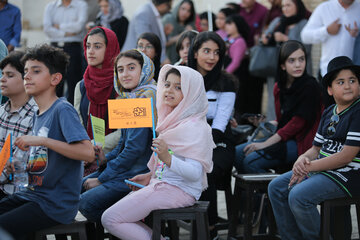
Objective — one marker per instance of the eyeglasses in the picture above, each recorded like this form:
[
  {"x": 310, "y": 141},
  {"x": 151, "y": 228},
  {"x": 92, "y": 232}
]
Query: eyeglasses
[
  {"x": 147, "y": 47},
  {"x": 333, "y": 121}
]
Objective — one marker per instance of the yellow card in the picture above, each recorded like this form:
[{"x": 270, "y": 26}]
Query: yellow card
[
  {"x": 130, "y": 113},
  {"x": 5, "y": 153},
  {"x": 98, "y": 127}
]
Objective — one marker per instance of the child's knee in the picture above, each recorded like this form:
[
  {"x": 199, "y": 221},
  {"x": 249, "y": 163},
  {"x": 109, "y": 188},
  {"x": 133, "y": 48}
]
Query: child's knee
[{"x": 107, "y": 219}]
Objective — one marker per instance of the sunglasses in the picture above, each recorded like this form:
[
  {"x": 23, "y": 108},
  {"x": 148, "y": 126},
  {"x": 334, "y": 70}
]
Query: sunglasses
[{"x": 333, "y": 121}]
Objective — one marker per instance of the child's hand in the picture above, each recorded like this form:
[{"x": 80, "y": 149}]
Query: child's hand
[
  {"x": 9, "y": 167},
  {"x": 253, "y": 147},
  {"x": 99, "y": 155},
  {"x": 161, "y": 148},
  {"x": 25, "y": 141},
  {"x": 142, "y": 179},
  {"x": 295, "y": 179},
  {"x": 91, "y": 183},
  {"x": 300, "y": 166}
]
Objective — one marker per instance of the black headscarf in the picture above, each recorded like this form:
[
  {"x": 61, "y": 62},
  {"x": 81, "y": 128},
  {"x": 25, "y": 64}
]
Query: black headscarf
[
  {"x": 302, "y": 99},
  {"x": 286, "y": 21}
]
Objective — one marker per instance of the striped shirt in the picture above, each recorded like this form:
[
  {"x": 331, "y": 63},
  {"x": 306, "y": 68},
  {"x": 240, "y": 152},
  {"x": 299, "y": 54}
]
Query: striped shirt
[
  {"x": 347, "y": 132},
  {"x": 18, "y": 122}
]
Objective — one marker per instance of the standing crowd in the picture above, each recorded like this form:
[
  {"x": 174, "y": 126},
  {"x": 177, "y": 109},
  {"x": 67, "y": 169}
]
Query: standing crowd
[{"x": 196, "y": 69}]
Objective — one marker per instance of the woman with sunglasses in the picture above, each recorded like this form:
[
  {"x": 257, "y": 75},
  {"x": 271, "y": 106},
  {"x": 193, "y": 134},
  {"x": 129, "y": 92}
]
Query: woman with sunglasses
[
  {"x": 298, "y": 109},
  {"x": 330, "y": 168}
]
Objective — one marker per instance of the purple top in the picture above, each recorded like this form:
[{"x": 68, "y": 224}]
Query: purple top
[
  {"x": 222, "y": 33},
  {"x": 255, "y": 18},
  {"x": 237, "y": 52}
]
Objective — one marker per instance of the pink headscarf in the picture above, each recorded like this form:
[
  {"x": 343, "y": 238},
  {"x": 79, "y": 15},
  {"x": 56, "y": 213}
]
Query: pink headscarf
[{"x": 185, "y": 128}]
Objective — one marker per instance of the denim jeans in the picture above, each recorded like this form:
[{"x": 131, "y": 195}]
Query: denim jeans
[
  {"x": 295, "y": 209},
  {"x": 257, "y": 163},
  {"x": 95, "y": 201}
]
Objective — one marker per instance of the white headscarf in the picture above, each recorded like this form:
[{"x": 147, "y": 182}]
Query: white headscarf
[{"x": 185, "y": 128}]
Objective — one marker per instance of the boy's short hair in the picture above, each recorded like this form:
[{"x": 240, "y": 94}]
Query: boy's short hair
[
  {"x": 55, "y": 59},
  {"x": 14, "y": 59},
  {"x": 335, "y": 66}
]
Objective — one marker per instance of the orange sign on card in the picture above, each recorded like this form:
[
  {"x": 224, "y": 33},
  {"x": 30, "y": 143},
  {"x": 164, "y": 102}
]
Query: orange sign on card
[
  {"x": 130, "y": 113},
  {"x": 5, "y": 153}
]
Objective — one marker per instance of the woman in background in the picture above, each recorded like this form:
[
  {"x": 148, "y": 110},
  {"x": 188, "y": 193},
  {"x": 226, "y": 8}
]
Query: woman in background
[
  {"x": 181, "y": 18},
  {"x": 206, "y": 56},
  {"x": 183, "y": 45},
  {"x": 220, "y": 21},
  {"x": 111, "y": 16},
  {"x": 150, "y": 45},
  {"x": 286, "y": 27}
]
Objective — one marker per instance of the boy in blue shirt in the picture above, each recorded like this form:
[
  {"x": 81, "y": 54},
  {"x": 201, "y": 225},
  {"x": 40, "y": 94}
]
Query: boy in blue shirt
[
  {"x": 330, "y": 168},
  {"x": 57, "y": 147}
]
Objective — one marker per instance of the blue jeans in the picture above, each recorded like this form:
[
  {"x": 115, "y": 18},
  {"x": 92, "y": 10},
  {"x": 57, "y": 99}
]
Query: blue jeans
[
  {"x": 295, "y": 209},
  {"x": 95, "y": 201},
  {"x": 257, "y": 163}
]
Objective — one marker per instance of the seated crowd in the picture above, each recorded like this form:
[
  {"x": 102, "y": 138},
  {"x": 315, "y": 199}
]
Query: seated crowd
[{"x": 191, "y": 151}]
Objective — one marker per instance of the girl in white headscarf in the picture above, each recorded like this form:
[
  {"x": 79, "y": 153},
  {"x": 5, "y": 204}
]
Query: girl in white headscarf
[{"x": 182, "y": 155}]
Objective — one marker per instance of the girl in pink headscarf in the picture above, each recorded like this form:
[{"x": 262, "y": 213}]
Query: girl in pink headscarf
[{"x": 182, "y": 155}]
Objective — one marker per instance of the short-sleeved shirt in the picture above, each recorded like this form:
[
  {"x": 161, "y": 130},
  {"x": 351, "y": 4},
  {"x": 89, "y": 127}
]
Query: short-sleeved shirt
[
  {"x": 347, "y": 133},
  {"x": 55, "y": 180}
]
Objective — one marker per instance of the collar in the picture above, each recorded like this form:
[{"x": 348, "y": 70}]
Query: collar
[
  {"x": 156, "y": 12},
  {"x": 22, "y": 110},
  {"x": 7, "y": 6},
  {"x": 252, "y": 9},
  {"x": 59, "y": 3},
  {"x": 337, "y": 3}
]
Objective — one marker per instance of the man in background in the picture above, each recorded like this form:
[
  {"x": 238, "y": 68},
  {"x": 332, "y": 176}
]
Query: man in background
[
  {"x": 10, "y": 25},
  {"x": 147, "y": 18},
  {"x": 64, "y": 24}
]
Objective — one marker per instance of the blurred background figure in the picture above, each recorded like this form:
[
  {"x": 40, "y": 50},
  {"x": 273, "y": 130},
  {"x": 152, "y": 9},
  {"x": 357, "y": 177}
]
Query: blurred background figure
[
  {"x": 220, "y": 21},
  {"x": 204, "y": 22},
  {"x": 147, "y": 18},
  {"x": 10, "y": 25},
  {"x": 64, "y": 25},
  {"x": 3, "y": 54},
  {"x": 150, "y": 45},
  {"x": 274, "y": 11},
  {"x": 181, "y": 18},
  {"x": 111, "y": 16},
  {"x": 286, "y": 27},
  {"x": 183, "y": 45},
  {"x": 251, "y": 88}
]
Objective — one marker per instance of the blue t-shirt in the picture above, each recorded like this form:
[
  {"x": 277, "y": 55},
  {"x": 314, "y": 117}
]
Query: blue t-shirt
[
  {"x": 55, "y": 180},
  {"x": 347, "y": 133}
]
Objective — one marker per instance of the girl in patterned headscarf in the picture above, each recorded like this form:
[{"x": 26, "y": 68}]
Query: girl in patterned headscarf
[
  {"x": 133, "y": 79},
  {"x": 181, "y": 160}
]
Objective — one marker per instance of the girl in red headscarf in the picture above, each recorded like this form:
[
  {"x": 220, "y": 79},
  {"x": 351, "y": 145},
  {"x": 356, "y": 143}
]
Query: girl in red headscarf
[{"x": 92, "y": 93}]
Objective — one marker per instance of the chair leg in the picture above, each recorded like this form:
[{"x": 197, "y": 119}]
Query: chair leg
[
  {"x": 173, "y": 230},
  {"x": 228, "y": 199},
  {"x": 235, "y": 210},
  {"x": 358, "y": 215},
  {"x": 156, "y": 235},
  {"x": 325, "y": 221}
]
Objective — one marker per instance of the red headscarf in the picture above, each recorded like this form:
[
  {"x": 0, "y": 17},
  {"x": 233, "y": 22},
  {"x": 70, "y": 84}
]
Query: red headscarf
[{"x": 99, "y": 83}]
